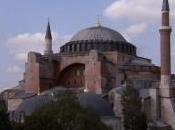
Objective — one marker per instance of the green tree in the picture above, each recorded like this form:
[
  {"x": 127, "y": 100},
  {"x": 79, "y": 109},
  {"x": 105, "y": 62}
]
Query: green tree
[
  {"x": 4, "y": 121},
  {"x": 65, "y": 114},
  {"x": 134, "y": 118}
]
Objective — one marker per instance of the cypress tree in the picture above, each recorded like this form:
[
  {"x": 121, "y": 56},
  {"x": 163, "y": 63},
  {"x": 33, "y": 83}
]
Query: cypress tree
[{"x": 133, "y": 117}]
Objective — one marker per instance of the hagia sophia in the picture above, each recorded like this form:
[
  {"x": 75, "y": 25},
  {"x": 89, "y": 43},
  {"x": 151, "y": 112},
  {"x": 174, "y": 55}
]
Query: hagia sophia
[{"x": 96, "y": 63}]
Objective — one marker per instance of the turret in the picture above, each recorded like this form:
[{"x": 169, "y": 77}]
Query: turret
[{"x": 48, "y": 41}]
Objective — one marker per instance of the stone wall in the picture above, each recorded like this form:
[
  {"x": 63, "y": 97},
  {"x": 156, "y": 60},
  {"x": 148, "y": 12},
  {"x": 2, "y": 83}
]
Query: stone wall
[{"x": 101, "y": 70}]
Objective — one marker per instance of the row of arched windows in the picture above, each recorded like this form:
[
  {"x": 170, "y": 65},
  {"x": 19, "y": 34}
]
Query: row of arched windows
[{"x": 102, "y": 46}]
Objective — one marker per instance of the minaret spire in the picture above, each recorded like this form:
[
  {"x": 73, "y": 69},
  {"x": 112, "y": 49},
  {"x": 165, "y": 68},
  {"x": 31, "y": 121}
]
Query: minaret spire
[
  {"x": 165, "y": 39},
  {"x": 48, "y": 31},
  {"x": 165, "y": 5},
  {"x": 48, "y": 40}
]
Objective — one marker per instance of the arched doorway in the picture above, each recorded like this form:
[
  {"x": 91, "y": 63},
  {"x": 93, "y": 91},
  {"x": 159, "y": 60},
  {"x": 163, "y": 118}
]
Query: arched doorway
[{"x": 72, "y": 76}]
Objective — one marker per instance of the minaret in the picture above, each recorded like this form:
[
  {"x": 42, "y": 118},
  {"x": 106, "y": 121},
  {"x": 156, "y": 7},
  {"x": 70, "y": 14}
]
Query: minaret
[
  {"x": 165, "y": 31},
  {"x": 164, "y": 98},
  {"x": 48, "y": 41}
]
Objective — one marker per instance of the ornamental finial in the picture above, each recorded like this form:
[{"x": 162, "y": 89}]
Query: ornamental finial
[{"x": 98, "y": 24}]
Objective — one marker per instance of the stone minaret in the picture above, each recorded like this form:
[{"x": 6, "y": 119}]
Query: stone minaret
[
  {"x": 165, "y": 99},
  {"x": 48, "y": 41},
  {"x": 165, "y": 31}
]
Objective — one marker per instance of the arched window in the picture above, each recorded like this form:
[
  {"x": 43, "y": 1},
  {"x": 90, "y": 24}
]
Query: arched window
[
  {"x": 70, "y": 48},
  {"x": 21, "y": 117},
  {"x": 89, "y": 46},
  {"x": 75, "y": 47},
  {"x": 85, "y": 46},
  {"x": 80, "y": 47}
]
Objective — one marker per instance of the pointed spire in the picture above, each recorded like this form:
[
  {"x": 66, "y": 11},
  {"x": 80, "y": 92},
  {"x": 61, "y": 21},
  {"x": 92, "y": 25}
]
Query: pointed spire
[
  {"x": 48, "y": 41},
  {"x": 165, "y": 6},
  {"x": 48, "y": 32}
]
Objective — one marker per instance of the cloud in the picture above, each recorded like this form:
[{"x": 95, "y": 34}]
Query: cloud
[
  {"x": 14, "y": 69},
  {"x": 143, "y": 18},
  {"x": 21, "y": 44},
  {"x": 21, "y": 56},
  {"x": 18, "y": 46},
  {"x": 134, "y": 30},
  {"x": 136, "y": 10}
]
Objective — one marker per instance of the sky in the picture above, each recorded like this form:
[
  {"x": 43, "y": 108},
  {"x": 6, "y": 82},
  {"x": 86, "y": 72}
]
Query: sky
[{"x": 23, "y": 24}]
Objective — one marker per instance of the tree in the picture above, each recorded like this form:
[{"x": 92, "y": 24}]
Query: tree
[
  {"x": 4, "y": 121},
  {"x": 134, "y": 118},
  {"x": 64, "y": 114}
]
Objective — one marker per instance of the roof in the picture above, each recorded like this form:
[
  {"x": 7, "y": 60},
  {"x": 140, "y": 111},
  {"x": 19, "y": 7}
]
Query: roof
[
  {"x": 87, "y": 100},
  {"x": 16, "y": 93},
  {"x": 97, "y": 103},
  {"x": 31, "y": 104},
  {"x": 48, "y": 32},
  {"x": 139, "y": 61},
  {"x": 98, "y": 33},
  {"x": 141, "y": 65},
  {"x": 165, "y": 5}
]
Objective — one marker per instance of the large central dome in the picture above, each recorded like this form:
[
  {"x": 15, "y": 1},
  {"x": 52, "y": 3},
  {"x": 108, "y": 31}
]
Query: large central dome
[
  {"x": 98, "y": 33},
  {"x": 98, "y": 38}
]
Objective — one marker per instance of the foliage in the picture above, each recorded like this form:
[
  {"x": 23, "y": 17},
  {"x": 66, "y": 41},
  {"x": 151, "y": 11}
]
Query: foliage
[
  {"x": 4, "y": 121},
  {"x": 134, "y": 118},
  {"x": 65, "y": 114}
]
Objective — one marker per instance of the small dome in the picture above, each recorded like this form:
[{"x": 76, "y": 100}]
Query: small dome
[
  {"x": 97, "y": 103},
  {"x": 29, "y": 105},
  {"x": 98, "y": 33}
]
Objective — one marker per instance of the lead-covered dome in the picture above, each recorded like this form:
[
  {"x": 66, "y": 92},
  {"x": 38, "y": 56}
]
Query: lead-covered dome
[
  {"x": 98, "y": 38},
  {"x": 98, "y": 33},
  {"x": 97, "y": 103}
]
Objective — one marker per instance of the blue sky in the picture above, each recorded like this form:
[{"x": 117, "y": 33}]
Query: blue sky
[
  {"x": 23, "y": 23},
  {"x": 31, "y": 15}
]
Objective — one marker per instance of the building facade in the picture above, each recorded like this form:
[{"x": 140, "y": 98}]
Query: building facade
[
  {"x": 94, "y": 59},
  {"x": 97, "y": 62}
]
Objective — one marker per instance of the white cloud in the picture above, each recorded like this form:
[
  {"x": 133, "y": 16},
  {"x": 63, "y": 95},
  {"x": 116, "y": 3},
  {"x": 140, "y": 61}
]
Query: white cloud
[
  {"x": 14, "y": 69},
  {"x": 21, "y": 44},
  {"x": 144, "y": 17},
  {"x": 136, "y": 10},
  {"x": 134, "y": 30},
  {"x": 21, "y": 56}
]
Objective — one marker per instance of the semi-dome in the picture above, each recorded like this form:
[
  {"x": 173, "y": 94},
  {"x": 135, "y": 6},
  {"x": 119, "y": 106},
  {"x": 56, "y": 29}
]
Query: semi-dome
[
  {"x": 97, "y": 103},
  {"x": 98, "y": 33}
]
